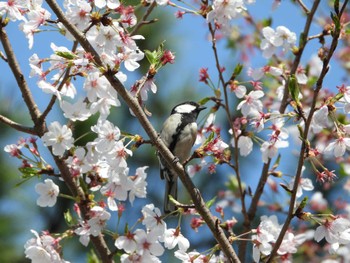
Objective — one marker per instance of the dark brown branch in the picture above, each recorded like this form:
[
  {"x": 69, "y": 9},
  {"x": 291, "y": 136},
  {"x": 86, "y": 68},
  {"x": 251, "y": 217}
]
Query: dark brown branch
[
  {"x": 17, "y": 126},
  {"x": 133, "y": 104},
  {"x": 21, "y": 82}
]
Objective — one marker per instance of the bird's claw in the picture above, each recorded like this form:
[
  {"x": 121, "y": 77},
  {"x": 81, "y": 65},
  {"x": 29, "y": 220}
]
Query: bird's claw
[{"x": 176, "y": 159}]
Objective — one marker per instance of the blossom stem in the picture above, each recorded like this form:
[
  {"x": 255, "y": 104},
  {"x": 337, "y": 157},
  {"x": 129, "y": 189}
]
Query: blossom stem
[{"x": 67, "y": 197}]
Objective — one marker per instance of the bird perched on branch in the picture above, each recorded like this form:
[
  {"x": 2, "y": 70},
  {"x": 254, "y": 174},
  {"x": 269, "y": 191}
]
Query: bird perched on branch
[{"x": 178, "y": 134}]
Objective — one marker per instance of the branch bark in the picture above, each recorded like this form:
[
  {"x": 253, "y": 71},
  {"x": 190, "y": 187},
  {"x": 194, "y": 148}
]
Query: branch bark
[
  {"x": 17, "y": 126},
  {"x": 158, "y": 143},
  {"x": 21, "y": 81}
]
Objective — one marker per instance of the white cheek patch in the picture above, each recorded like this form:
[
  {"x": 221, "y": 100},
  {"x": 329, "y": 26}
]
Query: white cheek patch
[{"x": 185, "y": 108}]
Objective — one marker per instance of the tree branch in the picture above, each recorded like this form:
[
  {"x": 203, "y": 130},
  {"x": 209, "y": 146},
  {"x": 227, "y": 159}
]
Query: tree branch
[
  {"x": 17, "y": 126},
  {"x": 22, "y": 83},
  {"x": 153, "y": 135},
  {"x": 65, "y": 78},
  {"x": 234, "y": 135},
  {"x": 144, "y": 18},
  {"x": 319, "y": 85}
]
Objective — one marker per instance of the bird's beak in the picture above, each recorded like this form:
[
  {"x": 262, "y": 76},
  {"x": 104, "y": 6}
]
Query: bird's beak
[{"x": 200, "y": 108}]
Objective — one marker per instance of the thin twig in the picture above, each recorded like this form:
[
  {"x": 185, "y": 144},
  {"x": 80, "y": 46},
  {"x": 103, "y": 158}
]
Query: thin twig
[
  {"x": 17, "y": 126},
  {"x": 235, "y": 137},
  {"x": 59, "y": 88},
  {"x": 133, "y": 104},
  {"x": 143, "y": 21},
  {"x": 303, "y": 6}
]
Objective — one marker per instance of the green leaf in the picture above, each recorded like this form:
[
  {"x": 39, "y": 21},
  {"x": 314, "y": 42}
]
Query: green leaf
[
  {"x": 302, "y": 39},
  {"x": 204, "y": 101},
  {"x": 277, "y": 162},
  {"x": 336, "y": 21},
  {"x": 92, "y": 257},
  {"x": 294, "y": 88},
  {"x": 151, "y": 56},
  {"x": 209, "y": 139},
  {"x": 210, "y": 202},
  {"x": 65, "y": 54},
  {"x": 28, "y": 172},
  {"x": 238, "y": 69},
  {"x": 303, "y": 203},
  {"x": 68, "y": 218},
  {"x": 336, "y": 6}
]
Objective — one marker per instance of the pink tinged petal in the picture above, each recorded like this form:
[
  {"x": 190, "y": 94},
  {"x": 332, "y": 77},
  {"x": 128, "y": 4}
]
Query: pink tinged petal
[
  {"x": 306, "y": 184},
  {"x": 256, "y": 94},
  {"x": 245, "y": 145},
  {"x": 268, "y": 32},
  {"x": 240, "y": 91},
  {"x": 339, "y": 148},
  {"x": 320, "y": 233},
  {"x": 156, "y": 249}
]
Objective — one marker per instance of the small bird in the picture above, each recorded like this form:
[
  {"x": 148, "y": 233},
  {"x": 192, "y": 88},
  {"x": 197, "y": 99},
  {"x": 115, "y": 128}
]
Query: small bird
[{"x": 179, "y": 134}]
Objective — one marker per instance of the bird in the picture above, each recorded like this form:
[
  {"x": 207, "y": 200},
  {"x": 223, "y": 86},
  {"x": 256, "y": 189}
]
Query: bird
[{"x": 178, "y": 133}]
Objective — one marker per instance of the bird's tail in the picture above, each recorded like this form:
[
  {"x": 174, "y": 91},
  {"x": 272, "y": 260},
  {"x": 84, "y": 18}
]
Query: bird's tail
[{"x": 170, "y": 189}]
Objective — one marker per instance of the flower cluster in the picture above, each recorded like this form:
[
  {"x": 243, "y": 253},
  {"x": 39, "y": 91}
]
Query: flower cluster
[{"x": 267, "y": 234}]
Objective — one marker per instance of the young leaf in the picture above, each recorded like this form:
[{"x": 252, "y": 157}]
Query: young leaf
[
  {"x": 210, "y": 202},
  {"x": 294, "y": 89}
]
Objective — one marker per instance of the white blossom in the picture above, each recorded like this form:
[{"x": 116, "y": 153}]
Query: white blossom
[
  {"x": 48, "y": 192},
  {"x": 59, "y": 137}
]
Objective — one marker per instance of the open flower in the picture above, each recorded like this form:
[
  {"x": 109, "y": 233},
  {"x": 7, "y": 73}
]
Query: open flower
[
  {"x": 59, "y": 137},
  {"x": 48, "y": 193}
]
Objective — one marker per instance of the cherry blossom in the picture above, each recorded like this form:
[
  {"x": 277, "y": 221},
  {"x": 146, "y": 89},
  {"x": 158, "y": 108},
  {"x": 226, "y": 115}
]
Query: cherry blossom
[
  {"x": 108, "y": 135},
  {"x": 117, "y": 188},
  {"x": 147, "y": 243},
  {"x": 338, "y": 147},
  {"x": 36, "y": 18},
  {"x": 152, "y": 219},
  {"x": 43, "y": 248},
  {"x": 173, "y": 237},
  {"x": 223, "y": 11},
  {"x": 251, "y": 103},
  {"x": 13, "y": 149},
  {"x": 59, "y": 137},
  {"x": 83, "y": 231},
  {"x": 281, "y": 37},
  {"x": 98, "y": 220},
  {"x": 126, "y": 242},
  {"x": 112, "y": 4},
  {"x": 77, "y": 111},
  {"x": 334, "y": 231},
  {"x": 78, "y": 12},
  {"x": 318, "y": 202},
  {"x": 270, "y": 149},
  {"x": 245, "y": 145},
  {"x": 12, "y": 9},
  {"x": 138, "y": 184},
  {"x": 48, "y": 193}
]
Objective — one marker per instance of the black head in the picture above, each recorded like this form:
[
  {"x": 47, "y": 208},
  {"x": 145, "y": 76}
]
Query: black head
[{"x": 188, "y": 107}]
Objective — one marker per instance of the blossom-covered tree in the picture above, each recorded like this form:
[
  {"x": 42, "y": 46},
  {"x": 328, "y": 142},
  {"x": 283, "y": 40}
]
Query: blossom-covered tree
[{"x": 272, "y": 109}]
